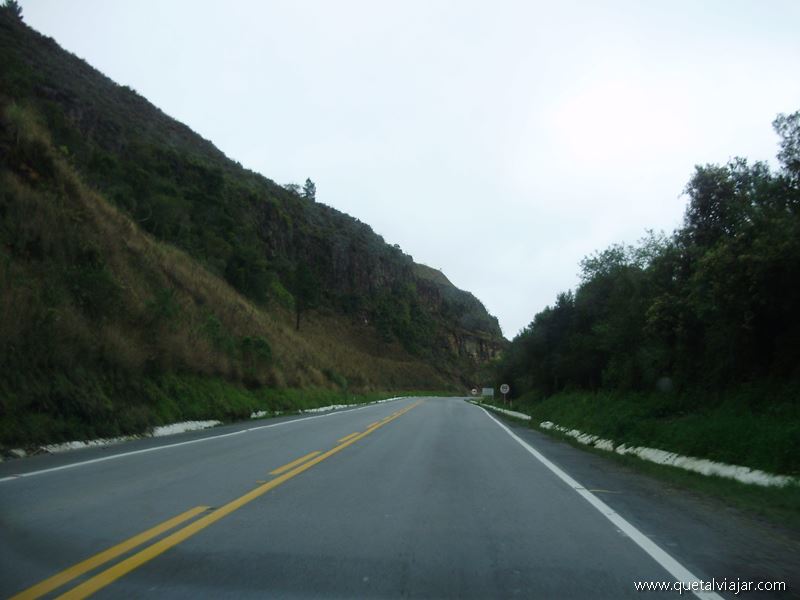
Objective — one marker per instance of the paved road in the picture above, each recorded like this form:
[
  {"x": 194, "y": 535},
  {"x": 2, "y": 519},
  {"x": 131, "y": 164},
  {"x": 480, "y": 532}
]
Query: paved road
[{"x": 423, "y": 498}]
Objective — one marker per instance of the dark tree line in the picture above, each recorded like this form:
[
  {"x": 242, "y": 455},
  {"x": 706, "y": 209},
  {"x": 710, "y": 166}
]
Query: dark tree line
[{"x": 714, "y": 305}]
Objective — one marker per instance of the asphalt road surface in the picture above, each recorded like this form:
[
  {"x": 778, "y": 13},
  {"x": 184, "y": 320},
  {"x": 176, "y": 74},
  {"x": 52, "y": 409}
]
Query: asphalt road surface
[{"x": 420, "y": 498}]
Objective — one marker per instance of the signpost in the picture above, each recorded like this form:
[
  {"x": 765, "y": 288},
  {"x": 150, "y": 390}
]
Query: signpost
[{"x": 504, "y": 389}]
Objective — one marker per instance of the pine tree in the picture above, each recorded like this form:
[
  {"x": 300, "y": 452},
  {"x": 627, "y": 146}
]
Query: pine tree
[{"x": 310, "y": 190}]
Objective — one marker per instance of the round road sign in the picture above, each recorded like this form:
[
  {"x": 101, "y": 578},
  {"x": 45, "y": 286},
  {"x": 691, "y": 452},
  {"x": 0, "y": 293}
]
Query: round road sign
[{"x": 504, "y": 389}]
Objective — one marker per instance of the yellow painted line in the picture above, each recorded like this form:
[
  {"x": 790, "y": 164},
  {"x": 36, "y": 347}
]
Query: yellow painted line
[
  {"x": 347, "y": 437},
  {"x": 371, "y": 425},
  {"x": 59, "y": 579},
  {"x": 294, "y": 463},
  {"x": 110, "y": 575}
]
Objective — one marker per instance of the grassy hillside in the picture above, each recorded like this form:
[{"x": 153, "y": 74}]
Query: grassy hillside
[
  {"x": 146, "y": 278},
  {"x": 268, "y": 242},
  {"x": 100, "y": 323}
]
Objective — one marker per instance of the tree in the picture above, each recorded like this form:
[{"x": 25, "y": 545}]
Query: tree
[
  {"x": 305, "y": 288},
  {"x": 788, "y": 128},
  {"x": 310, "y": 190},
  {"x": 13, "y": 7},
  {"x": 715, "y": 208},
  {"x": 248, "y": 271},
  {"x": 293, "y": 188}
]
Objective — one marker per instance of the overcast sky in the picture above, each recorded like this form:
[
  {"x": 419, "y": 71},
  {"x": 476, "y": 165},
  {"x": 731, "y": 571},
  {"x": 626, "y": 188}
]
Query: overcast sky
[{"x": 498, "y": 141}]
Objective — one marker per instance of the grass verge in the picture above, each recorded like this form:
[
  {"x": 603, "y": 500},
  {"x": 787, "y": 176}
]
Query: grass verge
[
  {"x": 779, "y": 505},
  {"x": 89, "y": 405},
  {"x": 757, "y": 425}
]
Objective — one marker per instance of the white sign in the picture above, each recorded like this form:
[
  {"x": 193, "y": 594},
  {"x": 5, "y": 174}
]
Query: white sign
[
  {"x": 487, "y": 392},
  {"x": 504, "y": 389},
  {"x": 474, "y": 392}
]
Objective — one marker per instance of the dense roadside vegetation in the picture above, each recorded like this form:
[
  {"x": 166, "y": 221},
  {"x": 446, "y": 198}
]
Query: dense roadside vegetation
[
  {"x": 146, "y": 278},
  {"x": 689, "y": 341}
]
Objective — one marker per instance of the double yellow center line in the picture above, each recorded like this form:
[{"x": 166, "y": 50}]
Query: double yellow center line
[
  {"x": 91, "y": 563},
  {"x": 104, "y": 578}
]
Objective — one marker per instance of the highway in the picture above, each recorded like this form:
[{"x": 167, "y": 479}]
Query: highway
[{"x": 415, "y": 498}]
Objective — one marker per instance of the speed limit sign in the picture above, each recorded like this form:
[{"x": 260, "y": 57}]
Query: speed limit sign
[{"x": 504, "y": 389}]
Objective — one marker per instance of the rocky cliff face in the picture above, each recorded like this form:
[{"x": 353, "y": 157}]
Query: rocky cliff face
[
  {"x": 476, "y": 347},
  {"x": 471, "y": 332},
  {"x": 361, "y": 266}
]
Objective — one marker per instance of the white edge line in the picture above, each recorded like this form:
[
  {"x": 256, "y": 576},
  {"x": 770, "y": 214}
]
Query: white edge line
[
  {"x": 167, "y": 446},
  {"x": 673, "y": 567}
]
